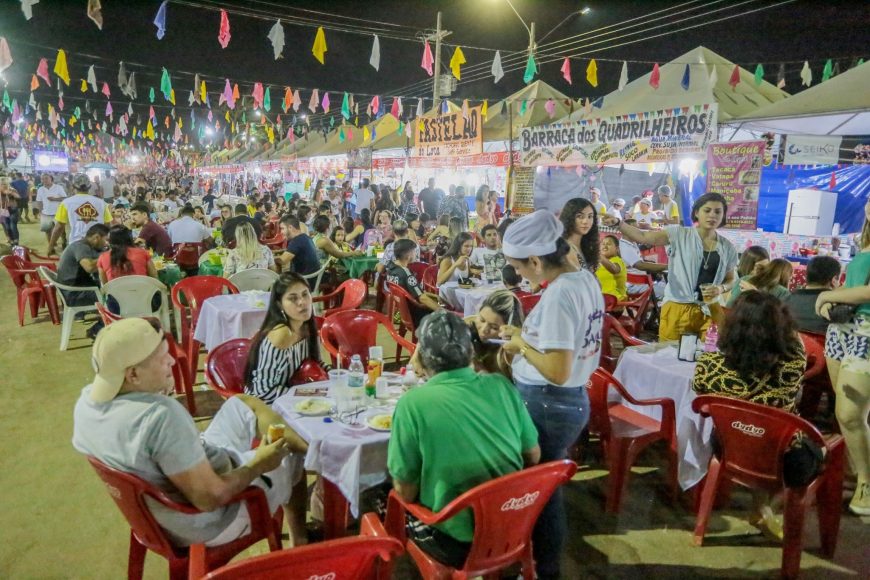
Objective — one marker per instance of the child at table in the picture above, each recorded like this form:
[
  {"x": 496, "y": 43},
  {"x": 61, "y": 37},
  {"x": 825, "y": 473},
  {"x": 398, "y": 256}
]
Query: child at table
[{"x": 611, "y": 271}]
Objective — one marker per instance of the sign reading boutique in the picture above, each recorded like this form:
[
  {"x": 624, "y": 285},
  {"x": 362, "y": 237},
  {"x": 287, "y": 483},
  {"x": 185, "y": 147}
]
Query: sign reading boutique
[
  {"x": 449, "y": 135},
  {"x": 646, "y": 137}
]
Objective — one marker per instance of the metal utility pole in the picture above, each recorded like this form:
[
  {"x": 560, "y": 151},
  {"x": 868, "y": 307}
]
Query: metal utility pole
[{"x": 439, "y": 36}]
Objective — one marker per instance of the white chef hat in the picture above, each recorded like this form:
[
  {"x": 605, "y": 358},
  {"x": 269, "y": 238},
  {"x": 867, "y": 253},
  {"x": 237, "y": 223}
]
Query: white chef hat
[{"x": 532, "y": 235}]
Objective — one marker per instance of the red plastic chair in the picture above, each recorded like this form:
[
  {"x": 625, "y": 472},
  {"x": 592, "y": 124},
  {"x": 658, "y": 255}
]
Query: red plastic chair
[
  {"x": 611, "y": 325},
  {"x": 105, "y": 315},
  {"x": 624, "y": 433},
  {"x": 187, "y": 297},
  {"x": 351, "y": 292},
  {"x": 418, "y": 269},
  {"x": 403, "y": 303},
  {"x": 351, "y": 332},
  {"x": 129, "y": 493},
  {"x": 610, "y": 303},
  {"x": 430, "y": 279},
  {"x": 816, "y": 380},
  {"x": 225, "y": 367},
  {"x": 636, "y": 306},
  {"x": 29, "y": 255},
  {"x": 29, "y": 288},
  {"x": 753, "y": 440},
  {"x": 505, "y": 511},
  {"x": 187, "y": 255},
  {"x": 278, "y": 242},
  {"x": 528, "y": 302},
  {"x": 335, "y": 559}
]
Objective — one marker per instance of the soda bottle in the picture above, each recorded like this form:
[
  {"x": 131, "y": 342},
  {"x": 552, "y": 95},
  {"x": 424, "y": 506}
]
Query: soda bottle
[
  {"x": 376, "y": 363},
  {"x": 711, "y": 341},
  {"x": 356, "y": 381}
]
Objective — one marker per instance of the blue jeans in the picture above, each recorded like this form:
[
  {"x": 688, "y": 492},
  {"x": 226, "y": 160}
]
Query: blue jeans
[
  {"x": 11, "y": 225},
  {"x": 560, "y": 414}
]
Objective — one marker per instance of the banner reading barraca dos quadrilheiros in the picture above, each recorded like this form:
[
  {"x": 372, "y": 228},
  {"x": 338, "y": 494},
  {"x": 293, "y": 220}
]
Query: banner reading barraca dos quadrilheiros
[{"x": 647, "y": 137}]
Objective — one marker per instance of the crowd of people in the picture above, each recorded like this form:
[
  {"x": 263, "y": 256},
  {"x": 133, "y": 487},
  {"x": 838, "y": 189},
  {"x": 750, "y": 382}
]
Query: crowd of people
[{"x": 504, "y": 389}]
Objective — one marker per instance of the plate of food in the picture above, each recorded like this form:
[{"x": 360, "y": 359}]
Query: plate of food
[
  {"x": 380, "y": 422},
  {"x": 465, "y": 283},
  {"x": 313, "y": 407}
]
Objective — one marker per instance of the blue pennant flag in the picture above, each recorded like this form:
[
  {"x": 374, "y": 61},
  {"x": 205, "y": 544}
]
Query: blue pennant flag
[
  {"x": 685, "y": 82},
  {"x": 160, "y": 20}
]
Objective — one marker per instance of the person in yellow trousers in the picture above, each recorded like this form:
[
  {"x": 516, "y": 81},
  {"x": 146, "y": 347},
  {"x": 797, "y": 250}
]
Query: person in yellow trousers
[{"x": 701, "y": 265}]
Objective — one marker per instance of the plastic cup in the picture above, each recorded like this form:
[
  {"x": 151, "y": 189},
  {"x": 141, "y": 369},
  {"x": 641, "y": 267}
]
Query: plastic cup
[
  {"x": 337, "y": 383},
  {"x": 704, "y": 288}
]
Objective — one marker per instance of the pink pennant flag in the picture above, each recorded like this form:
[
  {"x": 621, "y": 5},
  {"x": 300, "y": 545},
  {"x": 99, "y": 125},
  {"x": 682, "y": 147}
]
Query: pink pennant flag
[
  {"x": 314, "y": 101},
  {"x": 258, "y": 95},
  {"x": 105, "y": 90},
  {"x": 325, "y": 103},
  {"x": 42, "y": 71},
  {"x": 376, "y": 105},
  {"x": 655, "y": 77},
  {"x": 151, "y": 114},
  {"x": 394, "y": 110},
  {"x": 566, "y": 72},
  {"x": 735, "y": 77},
  {"x": 224, "y": 33},
  {"x": 109, "y": 109},
  {"x": 210, "y": 118},
  {"x": 428, "y": 61},
  {"x": 550, "y": 105},
  {"x": 60, "y": 103}
]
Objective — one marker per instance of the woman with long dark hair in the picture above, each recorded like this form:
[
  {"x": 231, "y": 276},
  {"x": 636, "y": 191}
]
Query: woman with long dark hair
[
  {"x": 454, "y": 264},
  {"x": 123, "y": 257},
  {"x": 287, "y": 337},
  {"x": 580, "y": 221},
  {"x": 752, "y": 257}
]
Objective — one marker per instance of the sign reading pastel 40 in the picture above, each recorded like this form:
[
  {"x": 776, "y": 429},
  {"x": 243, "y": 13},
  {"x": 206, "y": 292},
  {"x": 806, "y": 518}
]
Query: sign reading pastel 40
[
  {"x": 646, "y": 137},
  {"x": 449, "y": 135}
]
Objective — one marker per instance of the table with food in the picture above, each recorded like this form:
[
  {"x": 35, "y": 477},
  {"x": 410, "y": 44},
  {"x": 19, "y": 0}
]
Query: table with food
[
  {"x": 230, "y": 316},
  {"x": 468, "y": 296}
]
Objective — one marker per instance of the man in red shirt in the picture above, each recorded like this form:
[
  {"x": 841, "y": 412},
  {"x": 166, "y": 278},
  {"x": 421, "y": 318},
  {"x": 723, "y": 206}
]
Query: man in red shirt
[{"x": 153, "y": 236}]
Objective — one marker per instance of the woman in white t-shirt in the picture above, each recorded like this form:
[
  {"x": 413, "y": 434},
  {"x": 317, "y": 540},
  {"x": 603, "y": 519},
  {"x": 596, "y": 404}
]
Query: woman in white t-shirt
[
  {"x": 249, "y": 253},
  {"x": 553, "y": 356}
]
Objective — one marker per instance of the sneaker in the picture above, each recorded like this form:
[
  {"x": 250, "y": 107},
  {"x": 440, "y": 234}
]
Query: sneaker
[{"x": 860, "y": 503}]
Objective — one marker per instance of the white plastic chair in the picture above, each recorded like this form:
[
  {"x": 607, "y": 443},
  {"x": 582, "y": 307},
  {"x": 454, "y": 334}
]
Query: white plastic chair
[
  {"x": 254, "y": 279},
  {"x": 69, "y": 312},
  {"x": 316, "y": 276},
  {"x": 134, "y": 295}
]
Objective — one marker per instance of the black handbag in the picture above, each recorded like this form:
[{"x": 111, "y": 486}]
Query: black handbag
[
  {"x": 841, "y": 313},
  {"x": 802, "y": 462}
]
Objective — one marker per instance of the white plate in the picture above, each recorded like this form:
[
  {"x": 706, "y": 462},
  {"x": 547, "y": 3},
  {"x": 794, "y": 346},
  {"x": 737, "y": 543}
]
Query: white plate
[
  {"x": 313, "y": 407},
  {"x": 370, "y": 422}
]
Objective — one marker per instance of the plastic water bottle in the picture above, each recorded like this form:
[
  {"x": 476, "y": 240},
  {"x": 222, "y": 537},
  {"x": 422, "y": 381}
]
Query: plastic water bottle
[
  {"x": 356, "y": 382},
  {"x": 711, "y": 341}
]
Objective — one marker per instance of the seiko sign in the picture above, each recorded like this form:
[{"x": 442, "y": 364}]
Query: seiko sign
[{"x": 812, "y": 150}]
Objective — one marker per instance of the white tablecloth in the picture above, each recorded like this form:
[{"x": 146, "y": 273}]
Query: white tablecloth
[
  {"x": 651, "y": 375},
  {"x": 468, "y": 300},
  {"x": 230, "y": 316},
  {"x": 353, "y": 458}
]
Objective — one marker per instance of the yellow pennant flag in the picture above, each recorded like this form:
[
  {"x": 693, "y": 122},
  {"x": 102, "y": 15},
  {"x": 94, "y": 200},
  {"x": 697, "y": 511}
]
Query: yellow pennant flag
[
  {"x": 319, "y": 49},
  {"x": 172, "y": 96},
  {"x": 149, "y": 131},
  {"x": 366, "y": 134},
  {"x": 84, "y": 86},
  {"x": 592, "y": 73},
  {"x": 72, "y": 120},
  {"x": 456, "y": 61},
  {"x": 484, "y": 110},
  {"x": 135, "y": 130},
  {"x": 60, "y": 68},
  {"x": 271, "y": 134},
  {"x": 180, "y": 123},
  {"x": 202, "y": 92},
  {"x": 227, "y": 116},
  {"x": 421, "y": 126}
]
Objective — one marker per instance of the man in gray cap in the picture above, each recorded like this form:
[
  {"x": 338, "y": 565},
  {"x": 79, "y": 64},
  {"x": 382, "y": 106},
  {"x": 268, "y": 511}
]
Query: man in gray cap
[
  {"x": 670, "y": 212},
  {"x": 459, "y": 413},
  {"x": 125, "y": 419}
]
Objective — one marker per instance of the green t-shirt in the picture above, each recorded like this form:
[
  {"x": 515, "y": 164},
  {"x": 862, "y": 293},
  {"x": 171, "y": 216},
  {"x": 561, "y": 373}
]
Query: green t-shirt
[
  {"x": 457, "y": 431},
  {"x": 856, "y": 275}
]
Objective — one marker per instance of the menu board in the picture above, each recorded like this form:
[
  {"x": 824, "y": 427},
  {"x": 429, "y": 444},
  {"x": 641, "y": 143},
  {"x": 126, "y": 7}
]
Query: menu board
[
  {"x": 522, "y": 190},
  {"x": 734, "y": 170}
]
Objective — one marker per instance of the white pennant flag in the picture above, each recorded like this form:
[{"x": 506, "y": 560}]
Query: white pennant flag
[
  {"x": 191, "y": 99},
  {"x": 297, "y": 100},
  {"x": 315, "y": 100},
  {"x": 38, "y": 115},
  {"x": 465, "y": 109},
  {"x": 196, "y": 86},
  {"x": 375, "y": 59},
  {"x": 496, "y": 70},
  {"x": 806, "y": 75},
  {"x": 419, "y": 108},
  {"x": 623, "y": 76},
  {"x": 92, "y": 78},
  {"x": 32, "y": 102},
  {"x": 401, "y": 109},
  {"x": 276, "y": 36},
  {"x": 130, "y": 109},
  {"x": 714, "y": 78},
  {"x": 27, "y": 8}
]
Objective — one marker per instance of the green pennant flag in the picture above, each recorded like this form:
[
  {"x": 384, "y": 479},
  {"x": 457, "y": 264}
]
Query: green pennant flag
[
  {"x": 345, "y": 107},
  {"x": 151, "y": 95},
  {"x": 341, "y": 135},
  {"x": 78, "y": 113},
  {"x": 531, "y": 70},
  {"x": 759, "y": 75},
  {"x": 7, "y": 102},
  {"x": 860, "y": 62},
  {"x": 828, "y": 71},
  {"x": 332, "y": 122},
  {"x": 267, "y": 101},
  {"x": 523, "y": 106},
  {"x": 244, "y": 117},
  {"x": 401, "y": 128},
  {"x": 166, "y": 85}
]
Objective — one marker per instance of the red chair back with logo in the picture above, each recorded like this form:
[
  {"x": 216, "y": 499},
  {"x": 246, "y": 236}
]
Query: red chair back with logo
[
  {"x": 351, "y": 332},
  {"x": 505, "y": 511}
]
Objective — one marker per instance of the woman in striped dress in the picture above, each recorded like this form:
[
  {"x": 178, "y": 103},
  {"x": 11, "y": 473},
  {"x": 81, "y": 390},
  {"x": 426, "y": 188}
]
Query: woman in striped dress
[{"x": 287, "y": 338}]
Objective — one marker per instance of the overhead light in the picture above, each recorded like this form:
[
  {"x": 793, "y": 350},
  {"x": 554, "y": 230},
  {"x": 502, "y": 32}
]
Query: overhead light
[
  {"x": 258, "y": 113},
  {"x": 253, "y": 139},
  {"x": 303, "y": 116},
  {"x": 209, "y": 131},
  {"x": 586, "y": 10}
]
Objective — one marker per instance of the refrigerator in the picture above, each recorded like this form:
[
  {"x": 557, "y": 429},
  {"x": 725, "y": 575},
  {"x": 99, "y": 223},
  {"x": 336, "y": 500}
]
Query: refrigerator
[{"x": 810, "y": 212}]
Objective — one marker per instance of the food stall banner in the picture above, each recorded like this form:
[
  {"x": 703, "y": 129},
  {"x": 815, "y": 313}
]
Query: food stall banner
[
  {"x": 498, "y": 159},
  {"x": 645, "y": 137},
  {"x": 449, "y": 135},
  {"x": 734, "y": 170}
]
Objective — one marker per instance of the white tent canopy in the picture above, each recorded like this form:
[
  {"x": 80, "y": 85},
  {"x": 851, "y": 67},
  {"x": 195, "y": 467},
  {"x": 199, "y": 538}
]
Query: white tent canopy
[
  {"x": 23, "y": 162},
  {"x": 638, "y": 96},
  {"x": 838, "y": 106}
]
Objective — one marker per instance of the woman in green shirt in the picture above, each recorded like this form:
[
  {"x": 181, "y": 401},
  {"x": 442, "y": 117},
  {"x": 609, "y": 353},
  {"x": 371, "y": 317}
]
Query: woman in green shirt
[
  {"x": 772, "y": 278},
  {"x": 847, "y": 350}
]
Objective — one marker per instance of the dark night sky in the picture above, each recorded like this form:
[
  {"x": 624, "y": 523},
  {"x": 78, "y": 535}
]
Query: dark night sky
[{"x": 805, "y": 29}]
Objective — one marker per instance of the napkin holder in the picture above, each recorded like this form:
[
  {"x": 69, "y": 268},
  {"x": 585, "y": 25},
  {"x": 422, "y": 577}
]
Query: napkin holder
[{"x": 687, "y": 347}]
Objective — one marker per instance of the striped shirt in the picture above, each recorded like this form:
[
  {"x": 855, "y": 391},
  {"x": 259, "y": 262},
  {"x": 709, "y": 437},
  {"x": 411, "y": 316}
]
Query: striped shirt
[{"x": 275, "y": 366}]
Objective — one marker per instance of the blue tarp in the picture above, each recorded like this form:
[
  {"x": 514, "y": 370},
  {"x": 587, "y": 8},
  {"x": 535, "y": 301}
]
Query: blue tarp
[{"x": 853, "y": 189}]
